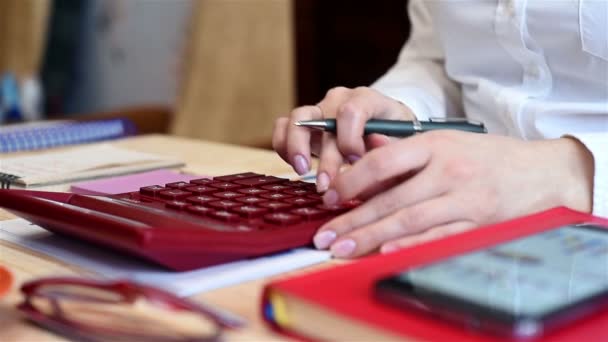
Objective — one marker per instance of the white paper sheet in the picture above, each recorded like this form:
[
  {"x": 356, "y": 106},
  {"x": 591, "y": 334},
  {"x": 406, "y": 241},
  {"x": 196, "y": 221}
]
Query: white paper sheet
[{"x": 110, "y": 265}]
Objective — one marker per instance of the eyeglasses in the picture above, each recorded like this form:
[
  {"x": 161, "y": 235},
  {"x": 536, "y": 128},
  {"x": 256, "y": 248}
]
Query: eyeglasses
[{"x": 119, "y": 311}]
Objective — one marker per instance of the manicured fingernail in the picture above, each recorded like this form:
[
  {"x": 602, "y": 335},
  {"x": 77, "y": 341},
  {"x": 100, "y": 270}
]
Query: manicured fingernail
[
  {"x": 330, "y": 197},
  {"x": 300, "y": 164},
  {"x": 323, "y": 239},
  {"x": 344, "y": 248},
  {"x": 353, "y": 158},
  {"x": 322, "y": 181},
  {"x": 389, "y": 249}
]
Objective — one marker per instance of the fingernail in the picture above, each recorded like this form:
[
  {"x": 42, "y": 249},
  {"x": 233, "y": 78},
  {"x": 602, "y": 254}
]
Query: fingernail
[
  {"x": 389, "y": 249},
  {"x": 323, "y": 239},
  {"x": 300, "y": 164},
  {"x": 322, "y": 181},
  {"x": 344, "y": 248},
  {"x": 353, "y": 158},
  {"x": 330, "y": 197}
]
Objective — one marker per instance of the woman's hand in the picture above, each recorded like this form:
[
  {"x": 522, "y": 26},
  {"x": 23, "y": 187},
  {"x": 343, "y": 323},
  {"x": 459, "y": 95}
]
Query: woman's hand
[
  {"x": 351, "y": 108},
  {"x": 443, "y": 182}
]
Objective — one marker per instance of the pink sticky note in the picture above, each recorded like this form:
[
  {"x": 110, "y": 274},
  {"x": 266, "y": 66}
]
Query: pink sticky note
[{"x": 129, "y": 183}]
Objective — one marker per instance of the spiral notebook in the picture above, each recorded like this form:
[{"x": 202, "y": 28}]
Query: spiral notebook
[
  {"x": 79, "y": 163},
  {"x": 42, "y": 135}
]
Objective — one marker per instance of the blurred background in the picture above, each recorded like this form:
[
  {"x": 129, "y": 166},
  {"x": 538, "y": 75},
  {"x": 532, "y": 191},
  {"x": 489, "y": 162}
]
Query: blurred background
[{"x": 196, "y": 68}]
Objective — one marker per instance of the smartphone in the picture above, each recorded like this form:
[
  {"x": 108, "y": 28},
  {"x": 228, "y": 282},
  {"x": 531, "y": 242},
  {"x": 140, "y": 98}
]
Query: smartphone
[{"x": 522, "y": 288}]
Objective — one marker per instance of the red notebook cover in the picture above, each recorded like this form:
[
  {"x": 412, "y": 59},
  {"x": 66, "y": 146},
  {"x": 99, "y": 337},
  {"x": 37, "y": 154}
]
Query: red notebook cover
[{"x": 347, "y": 290}]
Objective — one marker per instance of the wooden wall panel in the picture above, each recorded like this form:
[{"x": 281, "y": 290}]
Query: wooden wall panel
[
  {"x": 23, "y": 25},
  {"x": 238, "y": 71}
]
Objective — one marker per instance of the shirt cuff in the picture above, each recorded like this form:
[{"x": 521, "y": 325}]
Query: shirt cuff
[
  {"x": 597, "y": 144},
  {"x": 420, "y": 102}
]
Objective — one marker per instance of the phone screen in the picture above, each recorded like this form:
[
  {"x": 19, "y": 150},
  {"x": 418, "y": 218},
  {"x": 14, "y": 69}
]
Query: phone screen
[{"x": 533, "y": 276}]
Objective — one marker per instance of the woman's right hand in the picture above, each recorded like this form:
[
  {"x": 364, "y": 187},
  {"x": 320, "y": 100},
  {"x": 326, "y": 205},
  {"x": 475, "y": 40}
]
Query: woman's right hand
[{"x": 351, "y": 108}]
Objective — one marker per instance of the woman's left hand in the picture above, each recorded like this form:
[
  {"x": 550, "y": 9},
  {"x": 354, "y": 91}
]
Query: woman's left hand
[{"x": 443, "y": 182}]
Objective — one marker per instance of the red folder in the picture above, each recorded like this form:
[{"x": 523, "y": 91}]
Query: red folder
[{"x": 347, "y": 290}]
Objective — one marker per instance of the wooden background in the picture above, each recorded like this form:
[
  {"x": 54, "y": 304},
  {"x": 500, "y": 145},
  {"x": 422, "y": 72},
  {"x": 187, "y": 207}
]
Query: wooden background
[
  {"x": 22, "y": 36},
  {"x": 246, "y": 62}
]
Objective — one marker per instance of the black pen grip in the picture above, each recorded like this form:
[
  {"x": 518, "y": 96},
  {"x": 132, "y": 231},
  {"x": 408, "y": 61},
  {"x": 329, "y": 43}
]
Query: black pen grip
[{"x": 391, "y": 128}]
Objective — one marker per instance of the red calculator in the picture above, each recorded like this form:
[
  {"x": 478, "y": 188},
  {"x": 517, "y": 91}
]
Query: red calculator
[{"x": 186, "y": 225}]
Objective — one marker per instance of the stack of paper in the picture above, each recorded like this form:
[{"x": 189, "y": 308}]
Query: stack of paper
[{"x": 108, "y": 264}]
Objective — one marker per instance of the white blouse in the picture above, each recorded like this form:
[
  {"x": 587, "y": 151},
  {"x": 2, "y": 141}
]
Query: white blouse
[{"x": 532, "y": 69}]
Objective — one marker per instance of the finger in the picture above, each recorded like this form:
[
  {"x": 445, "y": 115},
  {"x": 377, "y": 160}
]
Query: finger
[
  {"x": 330, "y": 161},
  {"x": 378, "y": 166},
  {"x": 404, "y": 222},
  {"x": 299, "y": 138},
  {"x": 352, "y": 115},
  {"x": 316, "y": 138},
  {"x": 332, "y": 101},
  {"x": 376, "y": 189},
  {"x": 434, "y": 233},
  {"x": 421, "y": 187},
  {"x": 376, "y": 140},
  {"x": 327, "y": 107},
  {"x": 279, "y": 137}
]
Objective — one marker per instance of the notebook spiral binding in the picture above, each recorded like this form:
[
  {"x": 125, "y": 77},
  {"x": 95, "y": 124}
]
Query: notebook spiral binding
[{"x": 6, "y": 180}]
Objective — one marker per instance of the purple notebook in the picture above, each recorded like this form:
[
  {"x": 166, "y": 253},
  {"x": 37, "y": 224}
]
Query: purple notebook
[{"x": 130, "y": 183}]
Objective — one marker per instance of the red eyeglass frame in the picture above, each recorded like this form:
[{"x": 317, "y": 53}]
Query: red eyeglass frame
[
  {"x": 6, "y": 281},
  {"x": 128, "y": 292}
]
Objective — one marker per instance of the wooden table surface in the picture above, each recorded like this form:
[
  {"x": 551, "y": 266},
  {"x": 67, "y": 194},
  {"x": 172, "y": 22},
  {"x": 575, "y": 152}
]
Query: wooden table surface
[{"x": 201, "y": 157}]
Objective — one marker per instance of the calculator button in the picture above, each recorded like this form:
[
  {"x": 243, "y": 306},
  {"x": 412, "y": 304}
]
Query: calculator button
[
  {"x": 302, "y": 201},
  {"x": 282, "y": 218},
  {"x": 255, "y": 223},
  {"x": 275, "y": 187},
  {"x": 225, "y": 204},
  {"x": 178, "y": 185},
  {"x": 151, "y": 190},
  {"x": 228, "y": 195},
  {"x": 251, "y": 200},
  {"x": 249, "y": 211},
  {"x": 201, "y": 189},
  {"x": 276, "y": 196},
  {"x": 275, "y": 206},
  {"x": 225, "y": 186},
  {"x": 200, "y": 200},
  {"x": 238, "y": 176},
  {"x": 199, "y": 210},
  {"x": 174, "y": 194},
  {"x": 297, "y": 191},
  {"x": 202, "y": 181},
  {"x": 177, "y": 205},
  {"x": 310, "y": 213},
  {"x": 224, "y": 215},
  {"x": 252, "y": 191},
  {"x": 315, "y": 196},
  {"x": 260, "y": 181}
]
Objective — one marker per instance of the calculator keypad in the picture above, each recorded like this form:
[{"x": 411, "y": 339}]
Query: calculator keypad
[
  {"x": 174, "y": 194},
  {"x": 178, "y": 185},
  {"x": 246, "y": 200},
  {"x": 200, "y": 189}
]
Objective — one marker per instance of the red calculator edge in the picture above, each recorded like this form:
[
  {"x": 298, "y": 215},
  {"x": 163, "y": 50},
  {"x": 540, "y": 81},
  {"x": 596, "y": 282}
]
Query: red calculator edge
[{"x": 139, "y": 225}]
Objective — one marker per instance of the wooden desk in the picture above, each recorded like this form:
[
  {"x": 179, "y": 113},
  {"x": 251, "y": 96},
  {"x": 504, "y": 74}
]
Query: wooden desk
[{"x": 204, "y": 158}]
